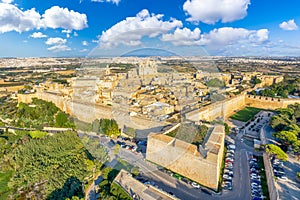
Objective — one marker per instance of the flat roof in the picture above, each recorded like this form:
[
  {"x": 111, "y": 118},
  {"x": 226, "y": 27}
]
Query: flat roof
[{"x": 135, "y": 187}]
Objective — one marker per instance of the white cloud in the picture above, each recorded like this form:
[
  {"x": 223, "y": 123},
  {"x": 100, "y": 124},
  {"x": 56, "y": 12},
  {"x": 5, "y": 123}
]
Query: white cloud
[
  {"x": 83, "y": 50},
  {"x": 259, "y": 36},
  {"x": 7, "y": 1},
  {"x": 216, "y": 37},
  {"x": 59, "y": 48},
  {"x": 75, "y": 34},
  {"x": 57, "y": 44},
  {"x": 184, "y": 37},
  {"x": 112, "y": 1},
  {"x": 57, "y": 17},
  {"x": 289, "y": 25},
  {"x": 211, "y": 11},
  {"x": 130, "y": 31},
  {"x": 56, "y": 41},
  {"x": 14, "y": 19},
  {"x": 38, "y": 35},
  {"x": 225, "y": 36},
  {"x": 85, "y": 43},
  {"x": 66, "y": 31}
]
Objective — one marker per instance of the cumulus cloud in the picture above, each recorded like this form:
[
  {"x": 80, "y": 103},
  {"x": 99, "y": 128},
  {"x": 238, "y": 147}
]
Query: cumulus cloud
[
  {"x": 57, "y": 17},
  {"x": 57, "y": 44},
  {"x": 184, "y": 37},
  {"x": 289, "y": 25},
  {"x": 14, "y": 19},
  {"x": 7, "y": 1},
  {"x": 130, "y": 31},
  {"x": 112, "y": 1},
  {"x": 56, "y": 41},
  {"x": 85, "y": 43},
  {"x": 38, "y": 35},
  {"x": 211, "y": 11},
  {"x": 216, "y": 37},
  {"x": 59, "y": 48}
]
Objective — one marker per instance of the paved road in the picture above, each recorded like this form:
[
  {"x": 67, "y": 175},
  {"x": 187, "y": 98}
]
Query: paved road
[{"x": 241, "y": 182}]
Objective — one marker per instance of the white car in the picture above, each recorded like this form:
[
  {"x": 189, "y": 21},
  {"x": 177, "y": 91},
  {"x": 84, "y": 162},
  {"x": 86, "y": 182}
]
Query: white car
[
  {"x": 231, "y": 146},
  {"x": 230, "y": 151},
  {"x": 195, "y": 185},
  {"x": 227, "y": 177},
  {"x": 134, "y": 149}
]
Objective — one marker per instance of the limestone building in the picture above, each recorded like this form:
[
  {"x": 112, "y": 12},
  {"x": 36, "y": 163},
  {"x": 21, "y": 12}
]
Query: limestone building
[{"x": 201, "y": 164}]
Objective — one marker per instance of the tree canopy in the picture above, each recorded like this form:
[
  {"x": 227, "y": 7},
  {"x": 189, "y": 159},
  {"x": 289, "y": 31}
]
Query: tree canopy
[
  {"x": 276, "y": 151},
  {"x": 285, "y": 123},
  {"x": 282, "y": 89},
  {"x": 37, "y": 114},
  {"x": 42, "y": 166}
]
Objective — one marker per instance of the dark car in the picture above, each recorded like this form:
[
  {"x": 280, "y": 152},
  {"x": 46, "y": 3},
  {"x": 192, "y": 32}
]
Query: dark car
[
  {"x": 186, "y": 180},
  {"x": 111, "y": 143}
]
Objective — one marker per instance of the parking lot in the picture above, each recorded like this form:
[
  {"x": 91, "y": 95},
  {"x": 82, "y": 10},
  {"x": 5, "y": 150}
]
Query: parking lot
[
  {"x": 255, "y": 178},
  {"x": 289, "y": 186},
  {"x": 229, "y": 167}
]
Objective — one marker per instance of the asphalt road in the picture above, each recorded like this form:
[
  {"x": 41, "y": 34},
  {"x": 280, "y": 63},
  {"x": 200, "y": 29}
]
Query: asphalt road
[
  {"x": 241, "y": 182},
  {"x": 182, "y": 190}
]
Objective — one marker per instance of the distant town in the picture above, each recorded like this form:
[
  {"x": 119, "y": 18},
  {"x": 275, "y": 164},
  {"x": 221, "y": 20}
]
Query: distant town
[{"x": 150, "y": 128}]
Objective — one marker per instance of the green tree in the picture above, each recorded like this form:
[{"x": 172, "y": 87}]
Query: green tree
[
  {"x": 296, "y": 147},
  {"x": 95, "y": 149},
  {"x": 109, "y": 127},
  {"x": 276, "y": 151},
  {"x": 255, "y": 80},
  {"x": 287, "y": 137},
  {"x": 61, "y": 119},
  {"x": 37, "y": 134},
  {"x": 47, "y": 163},
  {"x": 227, "y": 128},
  {"x": 279, "y": 122}
]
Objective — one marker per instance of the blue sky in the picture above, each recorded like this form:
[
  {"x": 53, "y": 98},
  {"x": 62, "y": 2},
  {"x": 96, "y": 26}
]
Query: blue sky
[{"x": 30, "y": 28}]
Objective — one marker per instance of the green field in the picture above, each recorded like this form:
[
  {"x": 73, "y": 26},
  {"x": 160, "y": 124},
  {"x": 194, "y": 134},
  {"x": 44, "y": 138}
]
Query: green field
[
  {"x": 4, "y": 178},
  {"x": 246, "y": 114}
]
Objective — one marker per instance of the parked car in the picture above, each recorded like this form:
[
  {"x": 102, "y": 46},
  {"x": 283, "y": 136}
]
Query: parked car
[
  {"x": 229, "y": 173},
  {"x": 231, "y": 146},
  {"x": 230, "y": 151},
  {"x": 227, "y": 187},
  {"x": 195, "y": 185},
  {"x": 282, "y": 177},
  {"x": 226, "y": 177}
]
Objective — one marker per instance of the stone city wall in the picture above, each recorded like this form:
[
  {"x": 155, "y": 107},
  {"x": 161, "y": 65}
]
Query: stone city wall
[
  {"x": 268, "y": 102},
  {"x": 88, "y": 112},
  {"x": 185, "y": 159},
  {"x": 219, "y": 109},
  {"x": 228, "y": 107}
]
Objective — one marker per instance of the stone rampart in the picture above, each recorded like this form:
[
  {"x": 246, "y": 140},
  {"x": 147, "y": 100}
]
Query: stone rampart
[
  {"x": 268, "y": 102},
  {"x": 185, "y": 159},
  {"x": 88, "y": 112},
  {"x": 228, "y": 107}
]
